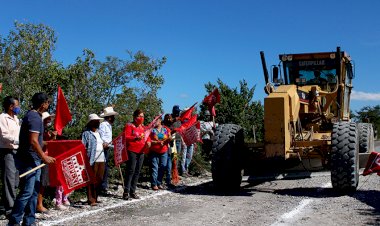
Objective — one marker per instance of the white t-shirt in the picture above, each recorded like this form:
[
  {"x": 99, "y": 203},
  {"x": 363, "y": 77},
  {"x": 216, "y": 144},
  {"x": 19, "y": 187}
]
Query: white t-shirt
[
  {"x": 99, "y": 156},
  {"x": 206, "y": 129}
]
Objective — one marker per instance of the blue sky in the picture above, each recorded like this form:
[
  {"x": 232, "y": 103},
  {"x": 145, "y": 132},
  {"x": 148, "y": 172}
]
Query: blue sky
[{"x": 206, "y": 40}]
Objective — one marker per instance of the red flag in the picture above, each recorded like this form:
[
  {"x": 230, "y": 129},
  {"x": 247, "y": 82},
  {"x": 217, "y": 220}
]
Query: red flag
[
  {"x": 188, "y": 123},
  {"x": 174, "y": 173},
  {"x": 62, "y": 112},
  {"x": 148, "y": 128},
  {"x": 373, "y": 164},
  {"x": 73, "y": 169},
  {"x": 120, "y": 150},
  {"x": 211, "y": 100},
  {"x": 55, "y": 148},
  {"x": 186, "y": 115},
  {"x": 190, "y": 131},
  {"x": 153, "y": 123}
]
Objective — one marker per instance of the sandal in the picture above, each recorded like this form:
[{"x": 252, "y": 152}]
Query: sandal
[{"x": 44, "y": 210}]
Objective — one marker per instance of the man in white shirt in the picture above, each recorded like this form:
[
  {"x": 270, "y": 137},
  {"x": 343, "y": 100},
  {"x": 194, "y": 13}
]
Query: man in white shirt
[
  {"x": 207, "y": 133},
  {"x": 9, "y": 139},
  {"x": 105, "y": 131}
]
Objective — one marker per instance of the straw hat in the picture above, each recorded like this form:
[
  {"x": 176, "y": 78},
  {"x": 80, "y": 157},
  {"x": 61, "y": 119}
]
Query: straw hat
[
  {"x": 46, "y": 115},
  {"x": 92, "y": 117},
  {"x": 108, "y": 111}
]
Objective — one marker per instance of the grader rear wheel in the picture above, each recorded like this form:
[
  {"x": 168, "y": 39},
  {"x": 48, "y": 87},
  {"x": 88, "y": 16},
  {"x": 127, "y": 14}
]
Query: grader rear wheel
[
  {"x": 366, "y": 138},
  {"x": 227, "y": 158}
]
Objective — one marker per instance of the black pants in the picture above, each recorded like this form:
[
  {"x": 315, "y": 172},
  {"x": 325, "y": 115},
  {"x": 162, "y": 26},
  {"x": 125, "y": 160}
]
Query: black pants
[
  {"x": 134, "y": 164},
  {"x": 206, "y": 148},
  {"x": 9, "y": 178}
]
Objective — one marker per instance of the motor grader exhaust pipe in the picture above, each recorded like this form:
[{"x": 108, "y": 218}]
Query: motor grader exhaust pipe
[{"x": 266, "y": 74}]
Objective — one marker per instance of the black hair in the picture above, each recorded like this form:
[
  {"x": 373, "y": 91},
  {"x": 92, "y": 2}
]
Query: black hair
[
  {"x": 108, "y": 117},
  {"x": 167, "y": 121},
  {"x": 137, "y": 113},
  {"x": 8, "y": 101},
  {"x": 38, "y": 99}
]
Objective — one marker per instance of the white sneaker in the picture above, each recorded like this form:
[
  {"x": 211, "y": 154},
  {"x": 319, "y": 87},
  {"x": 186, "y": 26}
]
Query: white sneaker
[{"x": 61, "y": 207}]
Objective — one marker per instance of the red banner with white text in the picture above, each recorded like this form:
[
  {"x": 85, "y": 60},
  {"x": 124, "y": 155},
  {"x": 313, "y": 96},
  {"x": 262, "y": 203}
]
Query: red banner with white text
[
  {"x": 55, "y": 148},
  {"x": 190, "y": 131},
  {"x": 120, "y": 150},
  {"x": 73, "y": 169}
]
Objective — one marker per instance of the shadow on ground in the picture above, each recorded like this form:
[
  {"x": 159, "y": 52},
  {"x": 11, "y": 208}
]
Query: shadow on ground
[{"x": 209, "y": 189}]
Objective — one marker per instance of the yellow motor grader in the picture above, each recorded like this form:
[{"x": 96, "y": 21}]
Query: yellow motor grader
[{"x": 306, "y": 116}]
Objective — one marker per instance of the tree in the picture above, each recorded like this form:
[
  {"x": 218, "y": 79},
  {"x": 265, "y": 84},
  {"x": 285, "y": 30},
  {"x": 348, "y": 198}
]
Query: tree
[
  {"x": 27, "y": 66},
  {"x": 93, "y": 85},
  {"x": 237, "y": 107},
  {"x": 26, "y": 60}
]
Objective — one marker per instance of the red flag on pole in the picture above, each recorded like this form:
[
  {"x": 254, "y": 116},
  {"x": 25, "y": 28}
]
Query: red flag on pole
[
  {"x": 62, "y": 112},
  {"x": 190, "y": 131},
  {"x": 373, "y": 164},
  {"x": 211, "y": 100},
  {"x": 186, "y": 115},
  {"x": 120, "y": 150},
  {"x": 73, "y": 169},
  {"x": 55, "y": 148},
  {"x": 148, "y": 128}
]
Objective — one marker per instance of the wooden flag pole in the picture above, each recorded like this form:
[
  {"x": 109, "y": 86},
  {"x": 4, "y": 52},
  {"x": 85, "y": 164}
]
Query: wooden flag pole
[
  {"x": 32, "y": 170},
  {"x": 121, "y": 175}
]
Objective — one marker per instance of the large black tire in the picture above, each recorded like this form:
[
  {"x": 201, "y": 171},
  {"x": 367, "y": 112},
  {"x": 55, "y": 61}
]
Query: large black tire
[
  {"x": 227, "y": 157},
  {"x": 345, "y": 157},
  {"x": 366, "y": 138}
]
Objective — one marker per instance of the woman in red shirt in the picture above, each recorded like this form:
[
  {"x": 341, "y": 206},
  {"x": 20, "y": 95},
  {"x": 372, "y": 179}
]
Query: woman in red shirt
[
  {"x": 136, "y": 143},
  {"x": 160, "y": 138}
]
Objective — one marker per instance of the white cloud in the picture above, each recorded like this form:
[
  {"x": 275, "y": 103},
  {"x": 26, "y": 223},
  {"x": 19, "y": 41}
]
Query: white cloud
[
  {"x": 358, "y": 95},
  {"x": 183, "y": 96}
]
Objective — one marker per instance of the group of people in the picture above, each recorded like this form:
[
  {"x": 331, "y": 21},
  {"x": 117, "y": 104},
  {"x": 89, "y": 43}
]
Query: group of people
[
  {"x": 23, "y": 147},
  {"x": 22, "y": 150}
]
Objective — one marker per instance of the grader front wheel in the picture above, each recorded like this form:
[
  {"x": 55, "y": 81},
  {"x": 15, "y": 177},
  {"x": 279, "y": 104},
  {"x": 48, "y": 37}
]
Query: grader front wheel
[
  {"x": 227, "y": 157},
  {"x": 345, "y": 157}
]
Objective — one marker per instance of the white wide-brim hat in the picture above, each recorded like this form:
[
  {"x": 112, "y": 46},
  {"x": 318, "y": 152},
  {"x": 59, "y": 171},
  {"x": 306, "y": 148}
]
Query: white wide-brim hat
[
  {"x": 92, "y": 117},
  {"x": 108, "y": 111},
  {"x": 46, "y": 115}
]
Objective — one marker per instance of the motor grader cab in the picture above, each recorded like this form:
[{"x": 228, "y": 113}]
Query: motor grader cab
[{"x": 306, "y": 115}]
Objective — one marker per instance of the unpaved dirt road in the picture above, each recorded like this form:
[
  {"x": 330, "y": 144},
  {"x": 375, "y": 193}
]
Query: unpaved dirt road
[
  {"x": 296, "y": 198},
  {"x": 291, "y": 199},
  {"x": 308, "y": 201}
]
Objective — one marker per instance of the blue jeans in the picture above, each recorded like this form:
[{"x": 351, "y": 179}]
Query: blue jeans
[
  {"x": 26, "y": 201},
  {"x": 158, "y": 162},
  {"x": 178, "y": 144},
  {"x": 104, "y": 185},
  {"x": 186, "y": 156}
]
